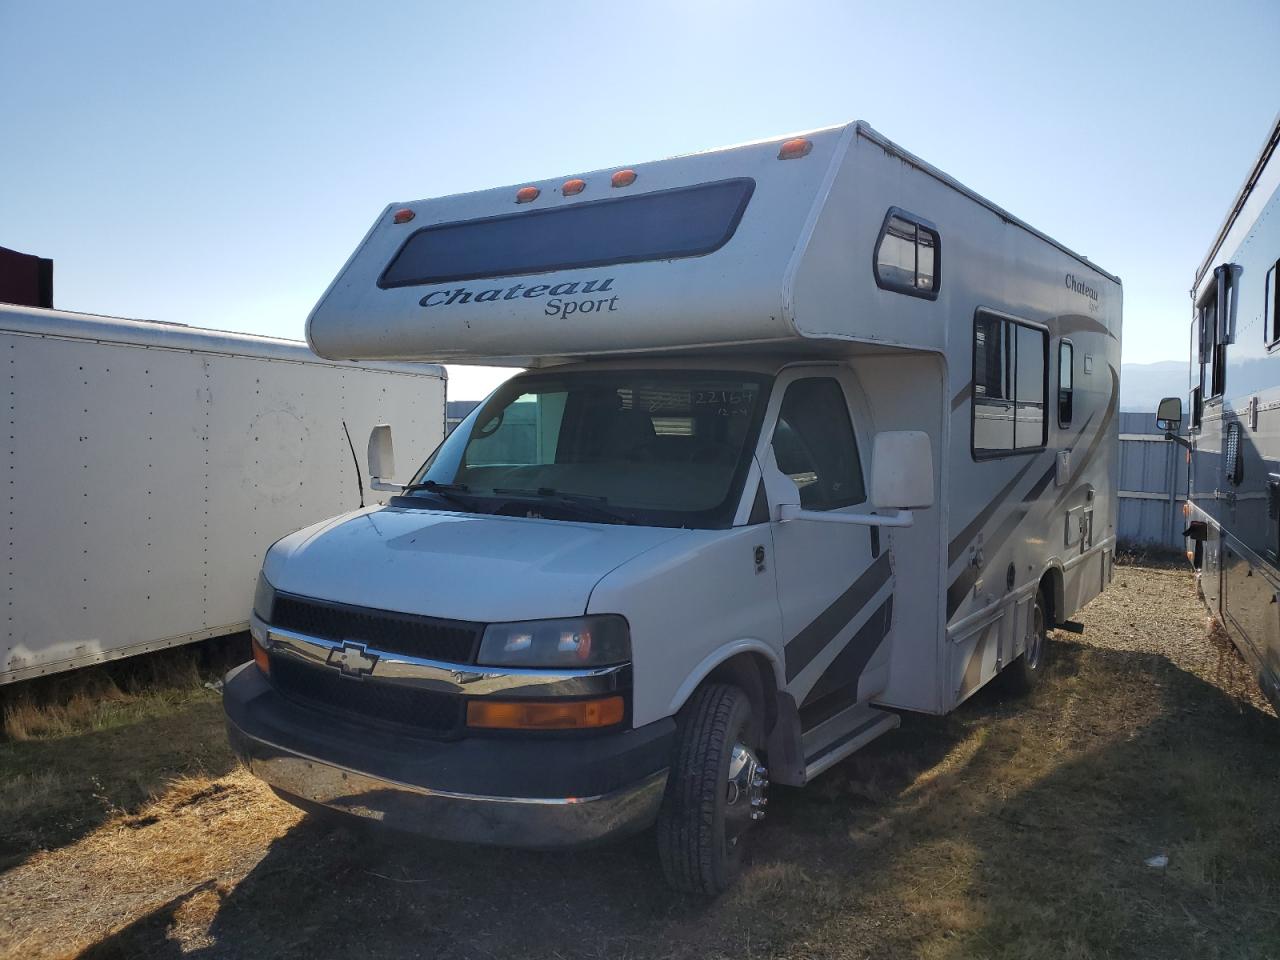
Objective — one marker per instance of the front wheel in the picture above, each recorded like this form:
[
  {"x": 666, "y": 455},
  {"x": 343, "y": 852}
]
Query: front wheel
[
  {"x": 715, "y": 792},
  {"x": 1026, "y": 672}
]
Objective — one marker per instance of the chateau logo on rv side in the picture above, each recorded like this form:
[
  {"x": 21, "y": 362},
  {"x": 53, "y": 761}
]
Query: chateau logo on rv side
[
  {"x": 1082, "y": 288},
  {"x": 563, "y": 299}
]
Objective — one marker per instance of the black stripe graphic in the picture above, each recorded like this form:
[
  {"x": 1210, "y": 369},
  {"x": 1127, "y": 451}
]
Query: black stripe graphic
[
  {"x": 847, "y": 667},
  {"x": 961, "y": 539},
  {"x": 1078, "y": 470},
  {"x": 1070, "y": 323},
  {"x": 959, "y": 589},
  {"x": 810, "y": 641}
]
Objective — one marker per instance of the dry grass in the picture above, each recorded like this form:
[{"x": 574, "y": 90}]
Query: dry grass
[{"x": 1009, "y": 829}]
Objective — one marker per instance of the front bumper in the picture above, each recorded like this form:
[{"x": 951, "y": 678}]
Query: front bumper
[{"x": 519, "y": 792}]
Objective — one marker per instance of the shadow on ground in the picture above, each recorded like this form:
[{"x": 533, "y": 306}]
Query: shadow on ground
[{"x": 1008, "y": 829}]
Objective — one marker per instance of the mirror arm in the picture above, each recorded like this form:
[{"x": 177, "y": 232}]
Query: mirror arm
[
  {"x": 792, "y": 511},
  {"x": 1180, "y": 441},
  {"x": 377, "y": 483}
]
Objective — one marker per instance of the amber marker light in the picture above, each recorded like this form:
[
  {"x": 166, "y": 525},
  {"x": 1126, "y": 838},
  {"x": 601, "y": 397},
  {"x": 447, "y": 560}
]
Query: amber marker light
[
  {"x": 527, "y": 194},
  {"x": 544, "y": 715},
  {"x": 623, "y": 178},
  {"x": 260, "y": 656},
  {"x": 403, "y": 216},
  {"x": 795, "y": 149},
  {"x": 572, "y": 187}
]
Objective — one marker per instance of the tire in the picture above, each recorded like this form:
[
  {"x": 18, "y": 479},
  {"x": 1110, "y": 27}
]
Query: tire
[
  {"x": 706, "y": 818},
  {"x": 1025, "y": 673}
]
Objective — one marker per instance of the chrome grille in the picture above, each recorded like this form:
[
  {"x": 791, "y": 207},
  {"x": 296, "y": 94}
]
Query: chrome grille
[{"x": 454, "y": 641}]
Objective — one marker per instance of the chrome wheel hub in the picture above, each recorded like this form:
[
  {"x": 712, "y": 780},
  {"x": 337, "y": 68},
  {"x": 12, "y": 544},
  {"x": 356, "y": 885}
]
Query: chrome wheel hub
[{"x": 745, "y": 791}]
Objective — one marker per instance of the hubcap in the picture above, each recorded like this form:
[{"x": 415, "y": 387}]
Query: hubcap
[
  {"x": 745, "y": 791},
  {"x": 1035, "y": 639}
]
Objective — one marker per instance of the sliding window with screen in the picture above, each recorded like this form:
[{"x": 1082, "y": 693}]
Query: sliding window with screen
[{"x": 1010, "y": 387}]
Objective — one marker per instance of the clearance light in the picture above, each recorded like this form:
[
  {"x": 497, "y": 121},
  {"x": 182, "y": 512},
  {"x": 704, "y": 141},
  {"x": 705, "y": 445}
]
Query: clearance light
[
  {"x": 260, "y": 656},
  {"x": 623, "y": 178},
  {"x": 794, "y": 149},
  {"x": 527, "y": 194},
  {"x": 544, "y": 715},
  {"x": 403, "y": 216},
  {"x": 572, "y": 187}
]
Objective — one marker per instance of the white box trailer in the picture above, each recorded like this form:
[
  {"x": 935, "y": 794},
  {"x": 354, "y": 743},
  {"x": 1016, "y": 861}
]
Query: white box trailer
[
  {"x": 150, "y": 466},
  {"x": 810, "y": 433}
]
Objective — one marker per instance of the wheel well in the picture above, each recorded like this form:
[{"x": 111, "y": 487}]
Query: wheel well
[
  {"x": 753, "y": 674},
  {"x": 1051, "y": 590}
]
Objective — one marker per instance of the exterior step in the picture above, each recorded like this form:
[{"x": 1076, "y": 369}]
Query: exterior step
[{"x": 840, "y": 735}]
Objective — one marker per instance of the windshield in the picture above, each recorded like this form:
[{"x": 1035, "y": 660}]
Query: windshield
[{"x": 662, "y": 448}]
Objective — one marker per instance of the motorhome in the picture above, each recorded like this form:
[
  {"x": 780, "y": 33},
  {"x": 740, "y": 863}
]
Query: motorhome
[
  {"x": 150, "y": 465},
  {"x": 1233, "y": 505},
  {"x": 808, "y": 434}
]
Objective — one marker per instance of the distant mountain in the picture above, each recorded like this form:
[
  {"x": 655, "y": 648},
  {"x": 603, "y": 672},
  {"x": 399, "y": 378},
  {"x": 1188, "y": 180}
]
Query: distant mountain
[{"x": 1143, "y": 385}]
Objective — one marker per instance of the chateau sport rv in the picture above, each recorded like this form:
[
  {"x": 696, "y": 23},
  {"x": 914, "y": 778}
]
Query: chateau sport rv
[
  {"x": 809, "y": 434},
  {"x": 1233, "y": 507}
]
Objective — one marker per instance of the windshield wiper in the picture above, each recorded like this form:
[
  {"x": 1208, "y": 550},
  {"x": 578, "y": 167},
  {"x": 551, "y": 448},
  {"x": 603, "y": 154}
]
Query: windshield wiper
[
  {"x": 445, "y": 491},
  {"x": 583, "y": 503}
]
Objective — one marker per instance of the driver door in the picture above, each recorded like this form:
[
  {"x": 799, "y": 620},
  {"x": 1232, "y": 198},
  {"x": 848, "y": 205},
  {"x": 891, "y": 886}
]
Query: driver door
[{"x": 835, "y": 582}]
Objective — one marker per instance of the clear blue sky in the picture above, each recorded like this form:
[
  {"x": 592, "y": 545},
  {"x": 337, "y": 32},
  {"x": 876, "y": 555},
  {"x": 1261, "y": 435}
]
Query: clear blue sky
[{"x": 215, "y": 163}]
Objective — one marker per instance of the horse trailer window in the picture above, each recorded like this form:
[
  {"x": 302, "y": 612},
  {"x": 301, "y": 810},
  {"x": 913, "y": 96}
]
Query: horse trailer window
[
  {"x": 663, "y": 225},
  {"x": 1010, "y": 388},
  {"x": 1066, "y": 382},
  {"x": 907, "y": 256},
  {"x": 1271, "y": 308}
]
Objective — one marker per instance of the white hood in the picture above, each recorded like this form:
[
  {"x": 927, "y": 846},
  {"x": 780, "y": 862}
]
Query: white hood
[{"x": 456, "y": 566}]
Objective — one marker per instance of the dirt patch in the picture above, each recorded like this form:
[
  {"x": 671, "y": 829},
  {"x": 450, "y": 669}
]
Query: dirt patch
[{"x": 1008, "y": 829}]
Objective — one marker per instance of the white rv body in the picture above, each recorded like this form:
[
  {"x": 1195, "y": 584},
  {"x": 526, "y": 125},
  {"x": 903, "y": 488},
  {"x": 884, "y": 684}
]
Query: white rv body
[
  {"x": 827, "y": 620},
  {"x": 151, "y": 465}
]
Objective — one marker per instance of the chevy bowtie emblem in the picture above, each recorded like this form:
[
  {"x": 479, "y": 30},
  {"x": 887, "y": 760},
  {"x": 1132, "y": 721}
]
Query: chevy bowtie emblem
[{"x": 352, "y": 659}]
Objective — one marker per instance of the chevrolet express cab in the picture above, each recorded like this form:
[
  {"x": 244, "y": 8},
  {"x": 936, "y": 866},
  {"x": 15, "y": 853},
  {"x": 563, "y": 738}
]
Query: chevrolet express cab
[{"x": 807, "y": 434}]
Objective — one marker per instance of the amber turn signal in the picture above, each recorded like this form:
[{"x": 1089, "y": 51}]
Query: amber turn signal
[
  {"x": 260, "y": 657},
  {"x": 544, "y": 715},
  {"x": 793, "y": 149}
]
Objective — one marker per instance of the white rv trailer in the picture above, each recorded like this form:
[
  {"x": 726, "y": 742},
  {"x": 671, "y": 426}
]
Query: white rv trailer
[
  {"x": 810, "y": 433},
  {"x": 150, "y": 465},
  {"x": 1233, "y": 507}
]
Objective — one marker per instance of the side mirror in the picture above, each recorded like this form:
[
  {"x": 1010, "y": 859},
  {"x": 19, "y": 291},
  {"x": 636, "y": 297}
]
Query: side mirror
[
  {"x": 382, "y": 459},
  {"x": 1169, "y": 414},
  {"x": 902, "y": 471}
]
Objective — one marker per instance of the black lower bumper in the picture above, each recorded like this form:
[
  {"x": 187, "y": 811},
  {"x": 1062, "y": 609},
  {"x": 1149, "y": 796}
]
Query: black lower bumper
[{"x": 509, "y": 791}]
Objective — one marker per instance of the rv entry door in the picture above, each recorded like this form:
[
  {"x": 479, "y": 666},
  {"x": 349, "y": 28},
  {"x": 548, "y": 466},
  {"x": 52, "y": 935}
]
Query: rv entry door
[{"x": 835, "y": 582}]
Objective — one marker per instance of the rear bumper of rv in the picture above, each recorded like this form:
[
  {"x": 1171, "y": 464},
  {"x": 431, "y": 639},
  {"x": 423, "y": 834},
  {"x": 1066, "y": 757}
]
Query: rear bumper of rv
[{"x": 503, "y": 791}]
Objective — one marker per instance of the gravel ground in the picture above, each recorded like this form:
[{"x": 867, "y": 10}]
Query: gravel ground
[{"x": 1151, "y": 608}]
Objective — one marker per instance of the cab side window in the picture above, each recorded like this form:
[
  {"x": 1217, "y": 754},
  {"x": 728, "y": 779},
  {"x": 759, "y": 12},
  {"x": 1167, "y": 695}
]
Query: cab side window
[{"x": 814, "y": 445}]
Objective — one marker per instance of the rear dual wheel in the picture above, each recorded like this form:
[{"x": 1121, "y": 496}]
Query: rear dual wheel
[
  {"x": 1028, "y": 670},
  {"x": 715, "y": 791}
]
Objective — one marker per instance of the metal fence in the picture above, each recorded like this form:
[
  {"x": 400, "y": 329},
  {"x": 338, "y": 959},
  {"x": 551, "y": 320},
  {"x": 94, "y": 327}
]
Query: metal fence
[{"x": 1152, "y": 484}]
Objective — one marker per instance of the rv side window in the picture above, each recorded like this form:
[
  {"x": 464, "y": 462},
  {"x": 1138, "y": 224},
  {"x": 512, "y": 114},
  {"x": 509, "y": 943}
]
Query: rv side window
[
  {"x": 908, "y": 255},
  {"x": 814, "y": 445},
  {"x": 1066, "y": 382},
  {"x": 1010, "y": 388},
  {"x": 1271, "y": 308},
  {"x": 1214, "y": 315}
]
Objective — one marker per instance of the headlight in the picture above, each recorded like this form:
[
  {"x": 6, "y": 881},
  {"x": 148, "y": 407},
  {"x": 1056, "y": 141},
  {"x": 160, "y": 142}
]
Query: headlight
[
  {"x": 264, "y": 598},
  {"x": 577, "y": 642}
]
